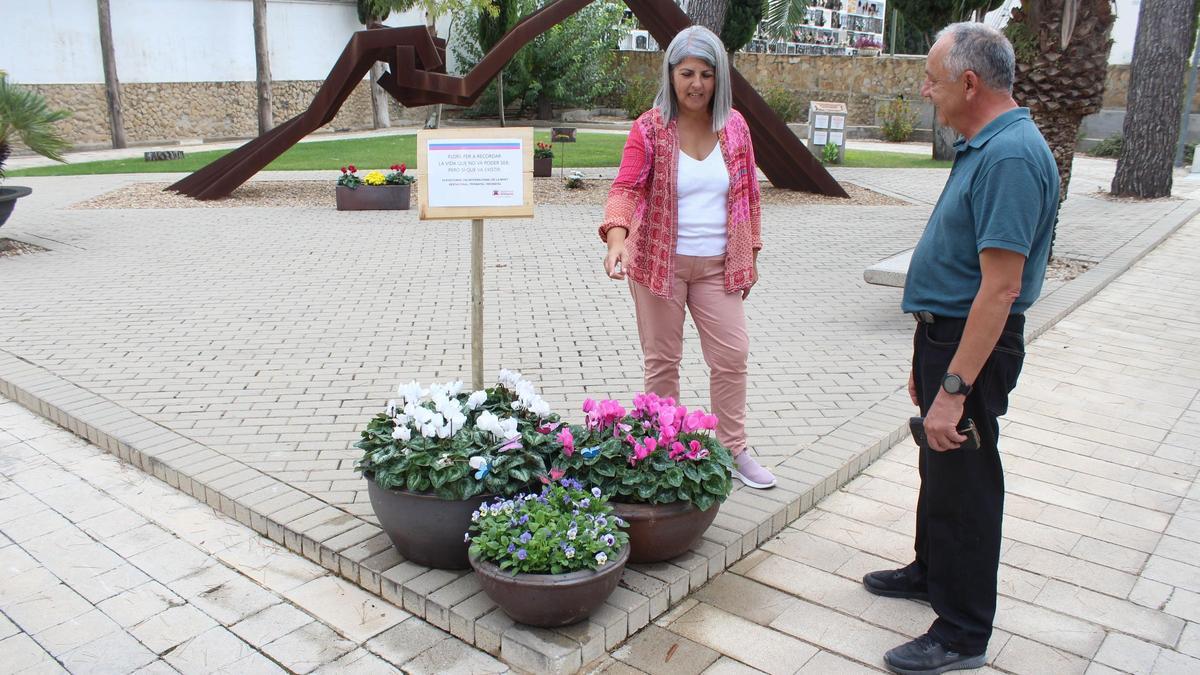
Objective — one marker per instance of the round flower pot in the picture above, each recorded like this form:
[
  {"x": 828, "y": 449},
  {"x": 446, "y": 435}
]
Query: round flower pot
[
  {"x": 550, "y": 600},
  {"x": 8, "y": 200},
  {"x": 543, "y": 167},
  {"x": 423, "y": 527},
  {"x": 374, "y": 198},
  {"x": 659, "y": 532}
]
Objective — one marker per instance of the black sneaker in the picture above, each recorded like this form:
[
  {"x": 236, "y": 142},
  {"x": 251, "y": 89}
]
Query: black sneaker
[
  {"x": 906, "y": 582},
  {"x": 926, "y": 656}
]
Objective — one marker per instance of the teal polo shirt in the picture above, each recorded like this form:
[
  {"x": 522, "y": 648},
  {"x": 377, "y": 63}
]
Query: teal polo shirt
[{"x": 1002, "y": 193}]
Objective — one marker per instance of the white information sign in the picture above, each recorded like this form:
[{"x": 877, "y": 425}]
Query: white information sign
[
  {"x": 467, "y": 172},
  {"x": 835, "y": 137},
  {"x": 819, "y": 137},
  {"x": 837, "y": 122},
  {"x": 821, "y": 122},
  {"x": 475, "y": 173}
]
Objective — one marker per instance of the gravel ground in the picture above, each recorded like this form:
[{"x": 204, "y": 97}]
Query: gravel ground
[
  {"x": 11, "y": 247},
  {"x": 1066, "y": 269},
  {"x": 319, "y": 194}
]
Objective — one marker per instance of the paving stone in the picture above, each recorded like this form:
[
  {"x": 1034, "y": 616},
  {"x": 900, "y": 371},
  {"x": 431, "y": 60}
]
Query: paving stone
[
  {"x": 20, "y": 652},
  {"x": 307, "y": 648},
  {"x": 1128, "y": 654},
  {"x": 748, "y": 599},
  {"x": 837, "y": 632},
  {"x": 137, "y": 604},
  {"x": 357, "y": 662},
  {"x": 115, "y": 652},
  {"x": 827, "y": 662},
  {"x": 821, "y": 587},
  {"x": 451, "y": 657},
  {"x": 401, "y": 643},
  {"x": 540, "y": 651},
  {"x": 1119, "y": 614},
  {"x": 270, "y": 624},
  {"x": 69, "y": 634},
  {"x": 660, "y": 652},
  {"x": 211, "y": 650},
  {"x": 1020, "y": 655},
  {"x": 761, "y": 647},
  {"x": 350, "y": 610},
  {"x": 172, "y": 627}
]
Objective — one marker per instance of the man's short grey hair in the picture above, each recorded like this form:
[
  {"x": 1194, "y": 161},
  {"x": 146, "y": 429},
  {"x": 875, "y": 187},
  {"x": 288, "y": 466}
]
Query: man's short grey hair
[
  {"x": 980, "y": 48},
  {"x": 703, "y": 44}
]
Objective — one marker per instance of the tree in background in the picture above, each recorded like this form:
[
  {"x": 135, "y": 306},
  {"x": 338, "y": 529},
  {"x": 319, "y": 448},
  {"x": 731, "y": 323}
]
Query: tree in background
[
  {"x": 489, "y": 30},
  {"x": 372, "y": 13},
  {"x": 708, "y": 13},
  {"x": 741, "y": 20},
  {"x": 262, "y": 67},
  {"x": 570, "y": 64},
  {"x": 926, "y": 18},
  {"x": 1165, "y": 35},
  {"x": 1062, "y": 62}
]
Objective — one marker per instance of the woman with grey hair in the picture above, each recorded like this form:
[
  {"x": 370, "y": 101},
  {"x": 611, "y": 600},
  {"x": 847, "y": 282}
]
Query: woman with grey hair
[{"x": 682, "y": 223}]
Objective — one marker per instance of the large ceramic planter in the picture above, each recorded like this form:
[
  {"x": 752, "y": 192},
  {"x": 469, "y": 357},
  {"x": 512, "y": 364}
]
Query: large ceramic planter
[
  {"x": 374, "y": 198},
  {"x": 550, "y": 600},
  {"x": 8, "y": 200},
  {"x": 543, "y": 167},
  {"x": 659, "y": 532},
  {"x": 424, "y": 528}
]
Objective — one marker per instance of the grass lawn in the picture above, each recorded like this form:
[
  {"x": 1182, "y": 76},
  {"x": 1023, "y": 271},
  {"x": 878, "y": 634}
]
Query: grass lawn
[{"x": 591, "y": 150}]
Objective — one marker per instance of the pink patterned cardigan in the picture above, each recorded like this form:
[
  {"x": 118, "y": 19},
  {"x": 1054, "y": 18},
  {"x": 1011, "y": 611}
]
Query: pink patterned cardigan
[{"x": 643, "y": 200}]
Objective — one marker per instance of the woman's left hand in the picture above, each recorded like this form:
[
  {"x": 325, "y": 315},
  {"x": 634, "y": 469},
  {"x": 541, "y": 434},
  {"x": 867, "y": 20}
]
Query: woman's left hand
[{"x": 753, "y": 280}]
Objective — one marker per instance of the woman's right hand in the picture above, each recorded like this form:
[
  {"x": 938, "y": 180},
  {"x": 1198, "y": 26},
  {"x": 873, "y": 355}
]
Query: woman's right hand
[{"x": 617, "y": 260}]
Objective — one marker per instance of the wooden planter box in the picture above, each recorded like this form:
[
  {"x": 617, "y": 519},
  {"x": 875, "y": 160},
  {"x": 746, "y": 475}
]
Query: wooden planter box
[
  {"x": 374, "y": 198},
  {"x": 543, "y": 167}
]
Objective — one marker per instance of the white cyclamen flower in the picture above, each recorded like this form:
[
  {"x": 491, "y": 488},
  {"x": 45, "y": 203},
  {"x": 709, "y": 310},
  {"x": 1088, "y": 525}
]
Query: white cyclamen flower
[
  {"x": 412, "y": 392},
  {"x": 456, "y": 421},
  {"x": 476, "y": 399},
  {"x": 540, "y": 408},
  {"x": 454, "y": 388},
  {"x": 477, "y": 462},
  {"x": 488, "y": 422},
  {"x": 508, "y": 429},
  {"x": 391, "y": 408},
  {"x": 402, "y": 433}
]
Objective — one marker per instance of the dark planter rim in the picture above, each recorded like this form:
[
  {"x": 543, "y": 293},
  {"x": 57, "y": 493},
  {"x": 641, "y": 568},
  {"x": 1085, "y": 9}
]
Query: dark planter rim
[
  {"x": 666, "y": 508},
  {"x": 576, "y": 578},
  {"x": 14, "y": 192}
]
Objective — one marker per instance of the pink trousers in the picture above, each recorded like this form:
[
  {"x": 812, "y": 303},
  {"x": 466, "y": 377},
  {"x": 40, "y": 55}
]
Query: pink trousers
[{"x": 720, "y": 320}]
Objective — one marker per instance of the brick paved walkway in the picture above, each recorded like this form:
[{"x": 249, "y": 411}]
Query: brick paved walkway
[
  {"x": 234, "y": 353},
  {"x": 1100, "y": 569},
  {"x": 107, "y": 570}
]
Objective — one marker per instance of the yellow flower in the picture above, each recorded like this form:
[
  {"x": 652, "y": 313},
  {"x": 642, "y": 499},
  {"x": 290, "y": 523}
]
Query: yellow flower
[{"x": 375, "y": 178}]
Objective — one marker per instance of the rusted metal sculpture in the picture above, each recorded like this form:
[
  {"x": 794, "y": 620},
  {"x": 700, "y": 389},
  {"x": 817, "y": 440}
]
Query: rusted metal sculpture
[{"x": 417, "y": 76}]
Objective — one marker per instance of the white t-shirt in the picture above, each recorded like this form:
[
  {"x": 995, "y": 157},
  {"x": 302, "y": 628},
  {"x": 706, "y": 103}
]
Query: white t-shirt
[{"x": 703, "y": 191}]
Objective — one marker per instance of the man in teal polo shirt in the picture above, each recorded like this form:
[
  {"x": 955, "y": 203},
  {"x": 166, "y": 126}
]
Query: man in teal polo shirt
[{"x": 978, "y": 267}]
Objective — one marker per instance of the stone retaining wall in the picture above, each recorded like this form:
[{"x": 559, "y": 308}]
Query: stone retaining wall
[
  {"x": 217, "y": 110},
  {"x": 171, "y": 111}
]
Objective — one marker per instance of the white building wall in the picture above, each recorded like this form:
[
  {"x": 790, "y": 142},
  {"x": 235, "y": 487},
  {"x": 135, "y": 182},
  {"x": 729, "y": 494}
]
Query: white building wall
[{"x": 57, "y": 41}]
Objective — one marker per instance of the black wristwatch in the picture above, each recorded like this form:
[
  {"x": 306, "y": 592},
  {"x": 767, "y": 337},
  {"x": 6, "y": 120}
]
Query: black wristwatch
[{"x": 953, "y": 383}]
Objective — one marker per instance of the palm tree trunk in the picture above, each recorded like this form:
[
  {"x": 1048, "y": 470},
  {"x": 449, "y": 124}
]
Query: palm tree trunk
[
  {"x": 1151, "y": 126},
  {"x": 112, "y": 86},
  {"x": 262, "y": 67}
]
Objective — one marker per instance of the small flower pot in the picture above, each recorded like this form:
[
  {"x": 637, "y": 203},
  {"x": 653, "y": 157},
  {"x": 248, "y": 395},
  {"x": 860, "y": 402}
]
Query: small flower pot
[
  {"x": 8, "y": 200},
  {"x": 550, "y": 600},
  {"x": 543, "y": 167},
  {"x": 423, "y": 527},
  {"x": 374, "y": 198},
  {"x": 659, "y": 532}
]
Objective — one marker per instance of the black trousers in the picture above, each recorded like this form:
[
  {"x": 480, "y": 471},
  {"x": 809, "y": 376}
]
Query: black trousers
[{"x": 961, "y": 502}]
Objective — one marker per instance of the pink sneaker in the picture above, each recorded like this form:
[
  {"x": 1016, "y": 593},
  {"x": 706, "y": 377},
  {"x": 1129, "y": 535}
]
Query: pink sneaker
[{"x": 751, "y": 473}]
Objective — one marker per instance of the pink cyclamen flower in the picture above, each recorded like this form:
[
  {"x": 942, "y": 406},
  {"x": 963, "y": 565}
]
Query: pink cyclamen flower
[
  {"x": 677, "y": 450},
  {"x": 588, "y": 405},
  {"x": 642, "y": 450},
  {"x": 567, "y": 440}
]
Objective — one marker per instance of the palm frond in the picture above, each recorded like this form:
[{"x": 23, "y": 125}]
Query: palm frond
[
  {"x": 25, "y": 114},
  {"x": 782, "y": 17}
]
